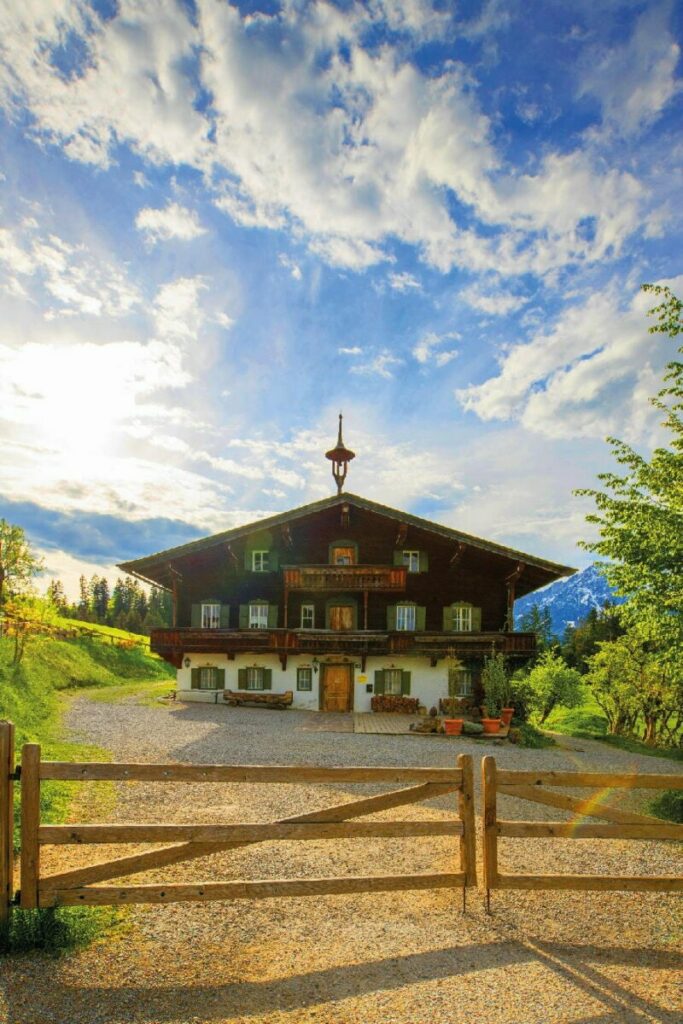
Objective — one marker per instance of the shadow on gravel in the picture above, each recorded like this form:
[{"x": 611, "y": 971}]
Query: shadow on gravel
[{"x": 50, "y": 1000}]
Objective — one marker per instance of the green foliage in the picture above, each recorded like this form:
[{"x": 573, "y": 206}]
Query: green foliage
[
  {"x": 640, "y": 513},
  {"x": 128, "y": 606},
  {"x": 496, "y": 684},
  {"x": 538, "y": 620},
  {"x": 472, "y": 728},
  {"x": 550, "y": 683},
  {"x": 18, "y": 564},
  {"x": 638, "y": 687},
  {"x": 581, "y": 642},
  {"x": 527, "y": 735},
  {"x": 669, "y": 805},
  {"x": 58, "y": 930}
]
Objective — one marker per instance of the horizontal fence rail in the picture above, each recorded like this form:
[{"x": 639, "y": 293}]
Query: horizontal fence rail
[
  {"x": 621, "y": 824},
  {"x": 80, "y": 885}
]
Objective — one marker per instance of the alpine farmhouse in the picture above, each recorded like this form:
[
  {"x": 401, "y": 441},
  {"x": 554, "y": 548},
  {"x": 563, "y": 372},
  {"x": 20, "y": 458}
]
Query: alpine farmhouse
[{"x": 340, "y": 600}]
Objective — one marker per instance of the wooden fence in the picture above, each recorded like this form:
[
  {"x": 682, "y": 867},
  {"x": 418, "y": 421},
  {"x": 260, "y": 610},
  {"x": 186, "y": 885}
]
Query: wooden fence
[
  {"x": 79, "y": 886},
  {"x": 621, "y": 824}
]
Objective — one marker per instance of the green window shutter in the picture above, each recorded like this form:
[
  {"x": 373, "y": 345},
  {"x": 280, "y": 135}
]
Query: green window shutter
[
  {"x": 476, "y": 620},
  {"x": 273, "y": 561},
  {"x": 398, "y": 558},
  {"x": 424, "y": 561},
  {"x": 220, "y": 684},
  {"x": 267, "y": 679},
  {"x": 448, "y": 619},
  {"x": 379, "y": 680},
  {"x": 244, "y": 617},
  {"x": 247, "y": 560},
  {"x": 391, "y": 618},
  {"x": 225, "y": 616},
  {"x": 420, "y": 618},
  {"x": 194, "y": 678},
  {"x": 241, "y": 678},
  {"x": 196, "y": 618},
  {"x": 272, "y": 616},
  {"x": 405, "y": 684}
]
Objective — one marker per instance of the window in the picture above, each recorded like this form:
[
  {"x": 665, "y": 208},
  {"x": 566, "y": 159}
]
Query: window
[
  {"x": 307, "y": 616},
  {"x": 411, "y": 559},
  {"x": 304, "y": 678},
  {"x": 255, "y": 679},
  {"x": 258, "y": 616},
  {"x": 343, "y": 555},
  {"x": 392, "y": 681},
  {"x": 462, "y": 619},
  {"x": 405, "y": 616},
  {"x": 259, "y": 561},
  {"x": 208, "y": 678},
  {"x": 460, "y": 682},
  {"x": 211, "y": 616}
]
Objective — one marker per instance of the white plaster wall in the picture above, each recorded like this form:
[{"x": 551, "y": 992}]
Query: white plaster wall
[{"x": 426, "y": 683}]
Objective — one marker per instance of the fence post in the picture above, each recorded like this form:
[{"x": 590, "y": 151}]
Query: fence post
[
  {"x": 30, "y": 822},
  {"x": 468, "y": 844},
  {"x": 6, "y": 828},
  {"x": 488, "y": 770}
]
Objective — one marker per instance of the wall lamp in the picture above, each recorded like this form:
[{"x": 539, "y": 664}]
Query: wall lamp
[
  {"x": 315, "y": 664},
  {"x": 186, "y": 663}
]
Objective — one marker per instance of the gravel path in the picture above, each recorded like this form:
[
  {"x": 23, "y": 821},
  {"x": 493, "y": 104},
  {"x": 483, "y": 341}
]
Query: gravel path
[{"x": 404, "y": 958}]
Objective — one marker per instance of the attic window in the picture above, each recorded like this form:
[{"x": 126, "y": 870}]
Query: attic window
[
  {"x": 259, "y": 561},
  {"x": 411, "y": 559}
]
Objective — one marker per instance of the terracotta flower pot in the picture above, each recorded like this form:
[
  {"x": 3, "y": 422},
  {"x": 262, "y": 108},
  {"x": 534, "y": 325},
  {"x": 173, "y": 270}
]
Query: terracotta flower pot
[
  {"x": 506, "y": 715},
  {"x": 453, "y": 726},
  {"x": 491, "y": 725}
]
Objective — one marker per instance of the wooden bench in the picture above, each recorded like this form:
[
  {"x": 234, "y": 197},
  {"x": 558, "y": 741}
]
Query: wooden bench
[{"x": 270, "y": 700}]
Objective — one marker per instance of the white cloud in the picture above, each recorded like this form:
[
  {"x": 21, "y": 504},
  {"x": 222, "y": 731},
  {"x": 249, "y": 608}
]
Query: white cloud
[
  {"x": 496, "y": 304},
  {"x": 354, "y": 350},
  {"x": 636, "y": 81},
  {"x": 176, "y": 307},
  {"x": 381, "y": 364},
  {"x": 587, "y": 376},
  {"x": 174, "y": 221},
  {"x": 403, "y": 282},
  {"x": 428, "y": 348},
  {"x": 291, "y": 265}
]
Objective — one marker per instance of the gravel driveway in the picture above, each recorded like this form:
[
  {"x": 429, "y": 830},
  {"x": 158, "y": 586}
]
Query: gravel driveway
[{"x": 399, "y": 958}]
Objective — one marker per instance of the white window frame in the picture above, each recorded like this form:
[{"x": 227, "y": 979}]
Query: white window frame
[
  {"x": 300, "y": 676},
  {"x": 463, "y": 682},
  {"x": 411, "y": 560},
  {"x": 258, "y": 618},
  {"x": 406, "y": 617},
  {"x": 259, "y": 561},
  {"x": 208, "y": 677},
  {"x": 211, "y": 615},
  {"x": 308, "y": 611},
  {"x": 462, "y": 619},
  {"x": 255, "y": 678},
  {"x": 393, "y": 678}
]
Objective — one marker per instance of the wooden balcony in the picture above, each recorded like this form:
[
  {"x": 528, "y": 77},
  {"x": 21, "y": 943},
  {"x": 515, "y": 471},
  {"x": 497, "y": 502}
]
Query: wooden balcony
[
  {"x": 174, "y": 644},
  {"x": 385, "y": 578}
]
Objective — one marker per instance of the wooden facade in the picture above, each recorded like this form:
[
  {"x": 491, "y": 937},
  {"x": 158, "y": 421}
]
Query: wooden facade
[{"x": 344, "y": 576}]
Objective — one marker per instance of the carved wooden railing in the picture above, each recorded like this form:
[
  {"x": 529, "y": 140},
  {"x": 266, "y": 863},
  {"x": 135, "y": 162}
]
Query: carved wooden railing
[{"x": 345, "y": 577}]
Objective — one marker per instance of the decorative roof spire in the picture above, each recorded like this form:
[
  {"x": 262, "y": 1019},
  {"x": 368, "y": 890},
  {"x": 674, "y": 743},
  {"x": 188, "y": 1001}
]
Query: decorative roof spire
[{"x": 340, "y": 458}]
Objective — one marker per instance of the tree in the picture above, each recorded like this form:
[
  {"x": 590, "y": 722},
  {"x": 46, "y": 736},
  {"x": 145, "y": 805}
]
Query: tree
[
  {"x": 539, "y": 621},
  {"x": 496, "y": 685},
  {"x": 56, "y": 596},
  {"x": 640, "y": 513},
  {"x": 18, "y": 564},
  {"x": 581, "y": 642},
  {"x": 550, "y": 684}
]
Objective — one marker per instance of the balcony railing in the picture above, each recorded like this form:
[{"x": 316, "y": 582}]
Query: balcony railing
[
  {"x": 345, "y": 577},
  {"x": 174, "y": 643}
]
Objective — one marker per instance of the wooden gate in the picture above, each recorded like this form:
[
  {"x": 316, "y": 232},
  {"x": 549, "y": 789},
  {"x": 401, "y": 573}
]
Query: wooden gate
[
  {"x": 621, "y": 824},
  {"x": 79, "y": 886}
]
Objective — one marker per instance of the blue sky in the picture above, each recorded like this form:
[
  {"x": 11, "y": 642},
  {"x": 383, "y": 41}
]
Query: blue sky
[{"x": 222, "y": 223}]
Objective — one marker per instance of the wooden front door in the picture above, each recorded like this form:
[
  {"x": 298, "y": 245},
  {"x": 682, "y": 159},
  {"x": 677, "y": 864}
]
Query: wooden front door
[
  {"x": 336, "y": 688},
  {"x": 341, "y": 616}
]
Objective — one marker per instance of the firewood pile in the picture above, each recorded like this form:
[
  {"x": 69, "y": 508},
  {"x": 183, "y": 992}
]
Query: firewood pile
[{"x": 393, "y": 702}]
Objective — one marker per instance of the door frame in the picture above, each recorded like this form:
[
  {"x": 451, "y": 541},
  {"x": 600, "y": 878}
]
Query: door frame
[{"x": 324, "y": 665}]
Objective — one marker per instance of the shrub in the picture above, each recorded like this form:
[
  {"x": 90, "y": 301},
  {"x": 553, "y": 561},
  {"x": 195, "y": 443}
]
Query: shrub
[
  {"x": 669, "y": 805},
  {"x": 496, "y": 684},
  {"x": 550, "y": 683}
]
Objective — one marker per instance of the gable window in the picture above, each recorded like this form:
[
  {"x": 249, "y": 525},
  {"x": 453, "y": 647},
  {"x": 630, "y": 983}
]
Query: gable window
[
  {"x": 258, "y": 616},
  {"x": 304, "y": 678},
  {"x": 405, "y": 617},
  {"x": 307, "y": 616},
  {"x": 259, "y": 561},
  {"x": 411, "y": 560},
  {"x": 343, "y": 554},
  {"x": 462, "y": 619},
  {"x": 393, "y": 679},
  {"x": 460, "y": 682},
  {"x": 211, "y": 616}
]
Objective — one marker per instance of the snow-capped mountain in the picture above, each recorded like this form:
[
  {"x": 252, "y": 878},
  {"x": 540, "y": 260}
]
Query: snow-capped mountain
[{"x": 570, "y": 600}]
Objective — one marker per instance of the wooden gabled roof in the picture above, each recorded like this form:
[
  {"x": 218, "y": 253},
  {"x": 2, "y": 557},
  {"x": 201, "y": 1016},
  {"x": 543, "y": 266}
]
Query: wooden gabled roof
[{"x": 158, "y": 568}]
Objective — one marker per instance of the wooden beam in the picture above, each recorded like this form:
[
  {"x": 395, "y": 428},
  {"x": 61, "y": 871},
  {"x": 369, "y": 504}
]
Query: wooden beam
[
  {"x": 585, "y": 806},
  {"x": 468, "y": 836},
  {"x": 191, "y": 851},
  {"x": 112, "y": 771},
  {"x": 401, "y": 535},
  {"x": 178, "y": 891},
  {"x": 488, "y": 770},
  {"x": 581, "y": 830},
  {"x": 62, "y": 835},
  {"x": 598, "y": 883},
  {"x": 6, "y": 829},
  {"x": 599, "y": 780},
  {"x": 30, "y": 823},
  {"x": 460, "y": 549}
]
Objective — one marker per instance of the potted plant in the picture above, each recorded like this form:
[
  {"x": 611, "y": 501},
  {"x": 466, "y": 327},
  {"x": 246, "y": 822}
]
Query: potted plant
[
  {"x": 497, "y": 692},
  {"x": 453, "y": 726}
]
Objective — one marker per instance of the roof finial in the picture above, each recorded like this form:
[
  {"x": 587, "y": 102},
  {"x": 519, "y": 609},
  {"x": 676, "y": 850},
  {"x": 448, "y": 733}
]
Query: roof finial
[{"x": 340, "y": 458}]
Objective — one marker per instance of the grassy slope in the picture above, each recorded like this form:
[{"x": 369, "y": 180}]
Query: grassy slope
[
  {"x": 588, "y": 722},
  {"x": 33, "y": 696},
  {"x": 95, "y": 627}
]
